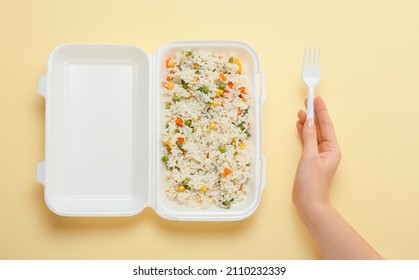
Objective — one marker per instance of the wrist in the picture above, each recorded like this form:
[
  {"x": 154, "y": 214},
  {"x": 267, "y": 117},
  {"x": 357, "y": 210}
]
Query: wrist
[{"x": 309, "y": 209}]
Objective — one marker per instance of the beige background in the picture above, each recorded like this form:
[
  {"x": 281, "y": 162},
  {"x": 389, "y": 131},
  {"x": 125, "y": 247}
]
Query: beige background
[{"x": 370, "y": 74}]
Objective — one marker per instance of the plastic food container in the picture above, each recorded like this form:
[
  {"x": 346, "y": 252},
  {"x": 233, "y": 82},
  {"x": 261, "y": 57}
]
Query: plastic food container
[{"x": 103, "y": 124}]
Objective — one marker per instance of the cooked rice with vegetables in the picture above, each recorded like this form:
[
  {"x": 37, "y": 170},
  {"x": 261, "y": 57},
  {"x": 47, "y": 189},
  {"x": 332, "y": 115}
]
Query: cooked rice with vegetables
[{"x": 206, "y": 135}]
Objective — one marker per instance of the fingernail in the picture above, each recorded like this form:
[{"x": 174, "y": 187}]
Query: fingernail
[{"x": 310, "y": 123}]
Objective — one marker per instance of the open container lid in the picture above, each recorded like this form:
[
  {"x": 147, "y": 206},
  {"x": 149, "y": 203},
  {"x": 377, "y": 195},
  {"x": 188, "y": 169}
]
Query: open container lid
[{"x": 97, "y": 124}]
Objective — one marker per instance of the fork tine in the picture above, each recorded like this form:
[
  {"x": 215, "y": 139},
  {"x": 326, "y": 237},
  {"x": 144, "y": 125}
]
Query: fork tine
[
  {"x": 309, "y": 57},
  {"x": 318, "y": 58}
]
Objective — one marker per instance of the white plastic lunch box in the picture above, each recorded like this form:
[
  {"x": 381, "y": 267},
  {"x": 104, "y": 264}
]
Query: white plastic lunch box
[{"x": 103, "y": 125}]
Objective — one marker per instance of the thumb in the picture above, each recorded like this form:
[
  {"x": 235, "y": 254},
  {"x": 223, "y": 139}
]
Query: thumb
[{"x": 310, "y": 138}]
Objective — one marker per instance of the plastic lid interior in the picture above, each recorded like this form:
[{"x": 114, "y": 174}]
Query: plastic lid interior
[{"x": 98, "y": 130}]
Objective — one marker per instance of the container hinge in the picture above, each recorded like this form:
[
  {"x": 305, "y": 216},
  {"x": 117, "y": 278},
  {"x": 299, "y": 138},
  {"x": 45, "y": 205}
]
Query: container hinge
[
  {"x": 40, "y": 173},
  {"x": 42, "y": 85}
]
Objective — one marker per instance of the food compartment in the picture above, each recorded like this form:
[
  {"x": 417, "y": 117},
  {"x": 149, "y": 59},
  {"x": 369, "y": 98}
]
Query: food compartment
[{"x": 251, "y": 68}]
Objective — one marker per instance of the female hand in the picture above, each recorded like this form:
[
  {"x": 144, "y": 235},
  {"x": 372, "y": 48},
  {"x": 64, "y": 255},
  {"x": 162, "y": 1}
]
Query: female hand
[
  {"x": 319, "y": 160},
  {"x": 333, "y": 235}
]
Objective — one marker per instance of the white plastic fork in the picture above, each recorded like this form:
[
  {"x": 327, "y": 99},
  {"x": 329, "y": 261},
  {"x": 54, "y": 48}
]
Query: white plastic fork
[{"x": 311, "y": 77}]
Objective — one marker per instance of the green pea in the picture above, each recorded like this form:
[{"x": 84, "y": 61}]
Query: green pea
[
  {"x": 242, "y": 127},
  {"x": 204, "y": 89},
  {"x": 179, "y": 145},
  {"x": 221, "y": 86},
  {"x": 165, "y": 158},
  {"x": 186, "y": 181},
  {"x": 231, "y": 60},
  {"x": 227, "y": 204},
  {"x": 176, "y": 99},
  {"x": 188, "y": 122},
  {"x": 248, "y": 133},
  {"x": 222, "y": 149},
  {"x": 167, "y": 124},
  {"x": 184, "y": 84},
  {"x": 188, "y": 53},
  {"x": 168, "y": 105}
]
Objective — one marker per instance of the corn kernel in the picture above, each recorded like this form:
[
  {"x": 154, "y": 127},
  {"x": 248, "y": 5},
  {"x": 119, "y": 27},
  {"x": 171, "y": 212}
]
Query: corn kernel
[
  {"x": 190, "y": 95},
  {"x": 170, "y": 86},
  {"x": 167, "y": 189},
  {"x": 169, "y": 143},
  {"x": 195, "y": 66},
  {"x": 215, "y": 103},
  {"x": 196, "y": 79},
  {"x": 243, "y": 100},
  {"x": 220, "y": 92},
  {"x": 181, "y": 189},
  {"x": 239, "y": 64},
  {"x": 203, "y": 188},
  {"x": 170, "y": 63},
  {"x": 213, "y": 125},
  {"x": 223, "y": 101},
  {"x": 242, "y": 145},
  {"x": 195, "y": 129}
]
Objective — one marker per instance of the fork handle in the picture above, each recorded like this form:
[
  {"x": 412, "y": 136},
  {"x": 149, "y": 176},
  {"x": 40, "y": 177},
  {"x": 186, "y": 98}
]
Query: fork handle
[{"x": 310, "y": 103}]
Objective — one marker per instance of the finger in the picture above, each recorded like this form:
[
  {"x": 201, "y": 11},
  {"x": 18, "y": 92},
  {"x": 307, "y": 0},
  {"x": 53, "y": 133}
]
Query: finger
[
  {"x": 310, "y": 146},
  {"x": 309, "y": 133},
  {"x": 300, "y": 123},
  {"x": 302, "y": 116},
  {"x": 324, "y": 122},
  {"x": 300, "y": 130},
  {"x": 318, "y": 129}
]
